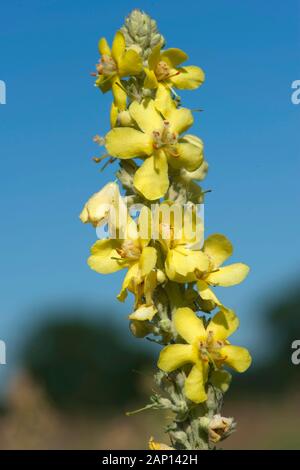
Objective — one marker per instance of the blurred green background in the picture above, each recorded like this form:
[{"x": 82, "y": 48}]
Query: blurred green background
[{"x": 76, "y": 379}]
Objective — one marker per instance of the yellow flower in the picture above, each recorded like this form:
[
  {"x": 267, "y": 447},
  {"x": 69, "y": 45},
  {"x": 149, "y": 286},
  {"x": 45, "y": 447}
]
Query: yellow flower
[
  {"x": 98, "y": 208},
  {"x": 114, "y": 64},
  {"x": 218, "y": 248},
  {"x": 163, "y": 68},
  {"x": 207, "y": 346},
  {"x": 158, "y": 142},
  {"x": 144, "y": 312},
  {"x": 158, "y": 445},
  {"x": 133, "y": 253},
  {"x": 181, "y": 232}
]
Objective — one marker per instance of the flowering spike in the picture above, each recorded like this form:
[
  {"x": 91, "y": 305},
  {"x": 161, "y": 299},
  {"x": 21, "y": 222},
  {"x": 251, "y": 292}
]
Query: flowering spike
[{"x": 170, "y": 270}]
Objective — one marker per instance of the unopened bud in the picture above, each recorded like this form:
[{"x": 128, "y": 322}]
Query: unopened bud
[{"x": 141, "y": 30}]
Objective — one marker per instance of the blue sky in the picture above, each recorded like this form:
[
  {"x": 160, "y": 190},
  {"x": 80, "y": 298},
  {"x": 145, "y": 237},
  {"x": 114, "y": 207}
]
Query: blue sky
[{"x": 250, "y": 53}]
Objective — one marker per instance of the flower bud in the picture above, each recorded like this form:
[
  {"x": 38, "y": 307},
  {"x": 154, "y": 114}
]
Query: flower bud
[
  {"x": 97, "y": 209},
  {"x": 124, "y": 119},
  {"x": 198, "y": 174},
  {"x": 141, "y": 30},
  {"x": 220, "y": 427},
  {"x": 160, "y": 276}
]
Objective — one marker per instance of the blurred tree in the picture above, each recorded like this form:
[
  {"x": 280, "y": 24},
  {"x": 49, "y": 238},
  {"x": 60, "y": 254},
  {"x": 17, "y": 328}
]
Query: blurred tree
[
  {"x": 84, "y": 365},
  {"x": 278, "y": 373}
]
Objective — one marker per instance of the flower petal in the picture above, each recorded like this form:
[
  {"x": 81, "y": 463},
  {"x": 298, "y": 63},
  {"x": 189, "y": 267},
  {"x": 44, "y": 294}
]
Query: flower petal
[
  {"x": 218, "y": 248},
  {"x": 236, "y": 357},
  {"x": 145, "y": 225},
  {"x": 104, "y": 83},
  {"x": 173, "y": 56},
  {"x": 148, "y": 260},
  {"x": 180, "y": 119},
  {"x": 120, "y": 97},
  {"x": 146, "y": 116},
  {"x": 206, "y": 293},
  {"x": 174, "y": 356},
  {"x": 190, "y": 157},
  {"x": 228, "y": 275},
  {"x": 154, "y": 57},
  {"x": 114, "y": 112},
  {"x": 223, "y": 324},
  {"x": 143, "y": 313},
  {"x": 151, "y": 179},
  {"x": 150, "y": 80},
  {"x": 131, "y": 279},
  {"x": 103, "y": 254},
  {"x": 98, "y": 207},
  {"x": 130, "y": 63},
  {"x": 184, "y": 262},
  {"x": 163, "y": 100},
  {"x": 188, "y": 78},
  {"x": 188, "y": 325},
  {"x": 118, "y": 46},
  {"x": 194, "y": 386},
  {"x": 126, "y": 142},
  {"x": 103, "y": 47}
]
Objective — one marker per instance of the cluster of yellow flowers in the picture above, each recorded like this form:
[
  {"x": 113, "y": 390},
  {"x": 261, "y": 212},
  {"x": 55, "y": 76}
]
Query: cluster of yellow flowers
[{"x": 171, "y": 275}]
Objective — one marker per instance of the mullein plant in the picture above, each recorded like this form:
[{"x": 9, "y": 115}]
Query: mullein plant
[{"x": 171, "y": 275}]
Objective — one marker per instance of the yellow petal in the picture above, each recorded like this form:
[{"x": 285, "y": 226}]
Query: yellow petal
[
  {"x": 185, "y": 262},
  {"x": 148, "y": 260},
  {"x": 126, "y": 142},
  {"x": 174, "y": 356},
  {"x": 104, "y": 258},
  {"x": 146, "y": 116},
  {"x": 198, "y": 174},
  {"x": 104, "y": 83},
  {"x": 143, "y": 313},
  {"x": 150, "y": 79},
  {"x": 218, "y": 248},
  {"x": 113, "y": 114},
  {"x": 151, "y": 179},
  {"x": 189, "y": 157},
  {"x": 206, "y": 293},
  {"x": 103, "y": 47},
  {"x": 130, "y": 63},
  {"x": 188, "y": 78},
  {"x": 131, "y": 279},
  {"x": 223, "y": 324},
  {"x": 150, "y": 284},
  {"x": 228, "y": 275},
  {"x": 194, "y": 387},
  {"x": 188, "y": 325},
  {"x": 118, "y": 46},
  {"x": 98, "y": 207},
  {"x": 173, "y": 56},
  {"x": 236, "y": 357},
  {"x": 145, "y": 225},
  {"x": 180, "y": 120},
  {"x": 163, "y": 100},
  {"x": 120, "y": 97},
  {"x": 154, "y": 57}
]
